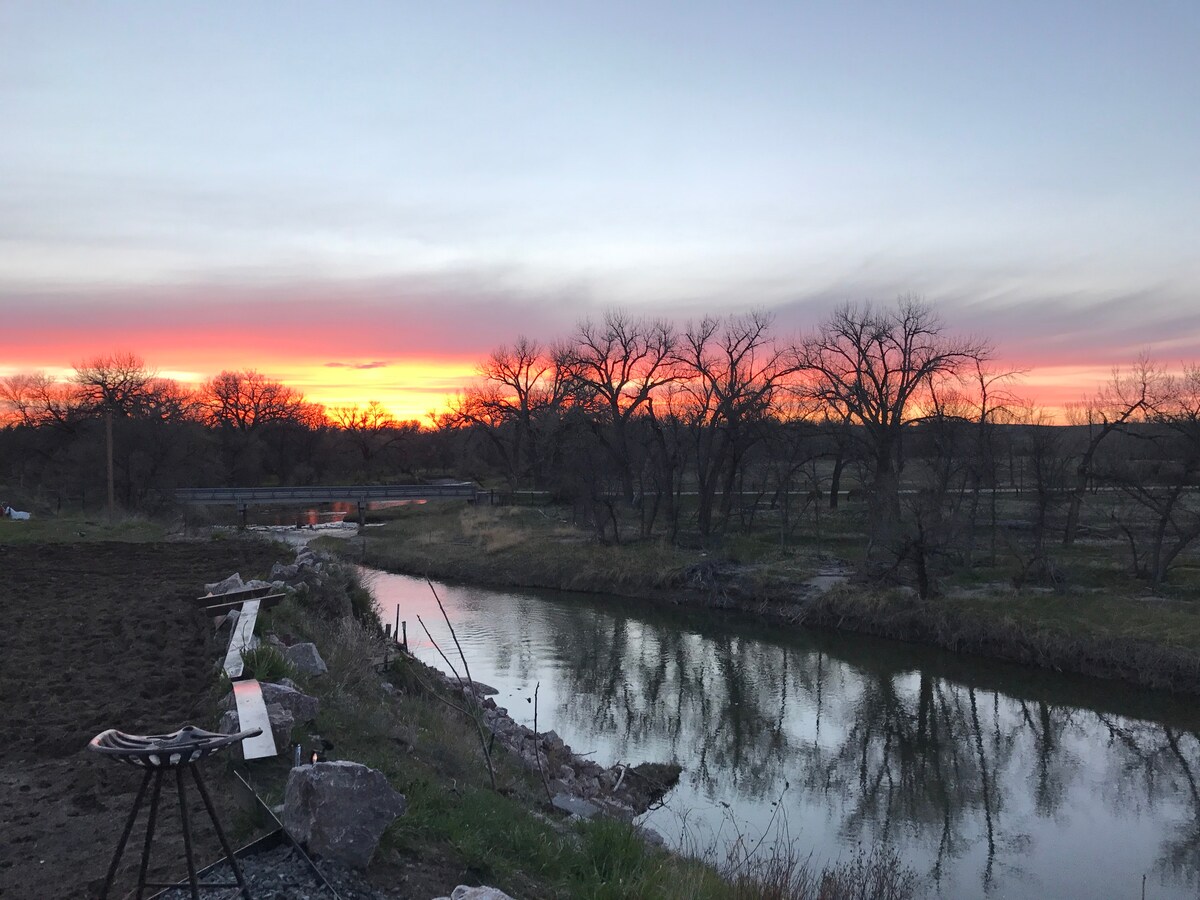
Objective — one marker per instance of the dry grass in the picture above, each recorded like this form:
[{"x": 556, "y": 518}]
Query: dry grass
[{"x": 1102, "y": 622}]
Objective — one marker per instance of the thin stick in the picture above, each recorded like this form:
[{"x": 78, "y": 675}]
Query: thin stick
[
  {"x": 474, "y": 718},
  {"x": 461, "y": 655},
  {"x": 439, "y": 649},
  {"x": 537, "y": 744}
]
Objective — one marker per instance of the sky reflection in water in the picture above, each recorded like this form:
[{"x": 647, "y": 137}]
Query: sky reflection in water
[{"x": 989, "y": 779}]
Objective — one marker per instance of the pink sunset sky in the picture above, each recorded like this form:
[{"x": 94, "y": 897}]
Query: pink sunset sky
[{"x": 363, "y": 200}]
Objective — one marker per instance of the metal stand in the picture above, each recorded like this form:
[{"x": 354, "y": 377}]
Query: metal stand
[{"x": 179, "y": 750}]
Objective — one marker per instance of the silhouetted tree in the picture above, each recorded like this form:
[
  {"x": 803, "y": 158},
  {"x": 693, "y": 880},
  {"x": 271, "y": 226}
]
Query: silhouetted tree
[
  {"x": 874, "y": 367},
  {"x": 616, "y": 367},
  {"x": 730, "y": 372}
]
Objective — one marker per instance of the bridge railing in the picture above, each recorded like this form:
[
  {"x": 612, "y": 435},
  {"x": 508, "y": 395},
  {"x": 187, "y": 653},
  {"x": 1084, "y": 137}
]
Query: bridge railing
[{"x": 359, "y": 493}]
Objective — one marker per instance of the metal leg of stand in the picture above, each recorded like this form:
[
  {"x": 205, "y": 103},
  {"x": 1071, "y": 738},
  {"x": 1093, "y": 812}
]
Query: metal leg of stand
[
  {"x": 150, "y": 822},
  {"x": 116, "y": 860},
  {"x": 187, "y": 833},
  {"x": 212, "y": 814}
]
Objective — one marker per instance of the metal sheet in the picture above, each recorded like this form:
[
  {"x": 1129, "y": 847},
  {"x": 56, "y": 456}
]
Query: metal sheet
[
  {"x": 252, "y": 713},
  {"x": 241, "y": 639}
]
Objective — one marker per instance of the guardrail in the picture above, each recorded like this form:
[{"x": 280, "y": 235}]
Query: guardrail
[{"x": 360, "y": 493}]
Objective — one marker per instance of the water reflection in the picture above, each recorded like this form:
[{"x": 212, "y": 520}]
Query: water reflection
[{"x": 991, "y": 780}]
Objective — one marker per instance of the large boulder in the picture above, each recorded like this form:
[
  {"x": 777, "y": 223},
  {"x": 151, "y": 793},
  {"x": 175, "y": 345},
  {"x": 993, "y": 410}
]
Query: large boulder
[
  {"x": 305, "y": 659},
  {"x": 304, "y": 708},
  {"x": 339, "y": 810}
]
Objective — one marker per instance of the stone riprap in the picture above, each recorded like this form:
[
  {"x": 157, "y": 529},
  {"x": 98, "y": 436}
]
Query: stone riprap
[{"x": 577, "y": 785}]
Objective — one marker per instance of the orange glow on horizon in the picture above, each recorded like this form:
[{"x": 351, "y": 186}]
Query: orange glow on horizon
[
  {"x": 408, "y": 390},
  {"x": 412, "y": 389}
]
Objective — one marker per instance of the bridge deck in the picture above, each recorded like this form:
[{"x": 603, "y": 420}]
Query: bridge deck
[{"x": 326, "y": 493}]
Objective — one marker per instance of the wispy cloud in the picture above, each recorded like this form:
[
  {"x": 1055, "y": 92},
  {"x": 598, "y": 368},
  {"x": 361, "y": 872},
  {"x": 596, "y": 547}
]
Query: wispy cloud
[{"x": 377, "y": 364}]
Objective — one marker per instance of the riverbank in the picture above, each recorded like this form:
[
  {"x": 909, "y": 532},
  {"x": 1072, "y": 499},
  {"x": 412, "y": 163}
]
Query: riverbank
[
  {"x": 1105, "y": 626},
  {"x": 97, "y": 630}
]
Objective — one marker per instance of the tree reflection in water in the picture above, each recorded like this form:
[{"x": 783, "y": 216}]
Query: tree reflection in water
[{"x": 980, "y": 774}]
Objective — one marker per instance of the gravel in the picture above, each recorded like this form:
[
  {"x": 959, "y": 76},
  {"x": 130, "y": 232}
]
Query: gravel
[{"x": 282, "y": 874}]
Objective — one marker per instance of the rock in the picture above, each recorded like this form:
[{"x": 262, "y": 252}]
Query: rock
[
  {"x": 281, "y": 573},
  {"x": 305, "y": 659},
  {"x": 281, "y": 727},
  {"x": 483, "y": 689},
  {"x": 646, "y": 784},
  {"x": 616, "y": 810},
  {"x": 576, "y": 806},
  {"x": 566, "y": 773},
  {"x": 650, "y": 836},
  {"x": 282, "y": 723},
  {"x": 302, "y": 707},
  {"x": 340, "y": 810},
  {"x": 257, "y": 583},
  {"x": 483, "y": 892},
  {"x": 232, "y": 583},
  {"x": 228, "y": 723}
]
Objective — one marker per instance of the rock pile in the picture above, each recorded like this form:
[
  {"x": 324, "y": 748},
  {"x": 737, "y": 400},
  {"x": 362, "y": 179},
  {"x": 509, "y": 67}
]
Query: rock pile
[{"x": 577, "y": 785}]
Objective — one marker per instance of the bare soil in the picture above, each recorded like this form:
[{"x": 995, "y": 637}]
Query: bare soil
[{"x": 96, "y": 636}]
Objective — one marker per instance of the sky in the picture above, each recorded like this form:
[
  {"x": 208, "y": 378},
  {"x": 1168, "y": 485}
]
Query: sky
[{"x": 363, "y": 199}]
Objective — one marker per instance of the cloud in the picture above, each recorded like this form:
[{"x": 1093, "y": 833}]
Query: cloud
[{"x": 378, "y": 364}]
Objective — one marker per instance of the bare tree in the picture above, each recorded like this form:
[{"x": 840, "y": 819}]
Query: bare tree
[
  {"x": 617, "y": 366},
  {"x": 118, "y": 384},
  {"x": 731, "y": 371},
  {"x": 113, "y": 386},
  {"x": 874, "y": 367},
  {"x": 1158, "y": 481},
  {"x": 247, "y": 400},
  {"x": 35, "y": 399},
  {"x": 522, "y": 395},
  {"x": 371, "y": 430},
  {"x": 1127, "y": 396}
]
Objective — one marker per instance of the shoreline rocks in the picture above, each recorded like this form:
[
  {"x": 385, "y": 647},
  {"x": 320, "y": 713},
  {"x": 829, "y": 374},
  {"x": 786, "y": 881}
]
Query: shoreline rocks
[{"x": 577, "y": 785}]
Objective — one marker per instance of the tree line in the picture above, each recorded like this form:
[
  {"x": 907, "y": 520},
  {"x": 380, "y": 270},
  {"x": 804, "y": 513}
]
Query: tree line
[{"x": 694, "y": 433}]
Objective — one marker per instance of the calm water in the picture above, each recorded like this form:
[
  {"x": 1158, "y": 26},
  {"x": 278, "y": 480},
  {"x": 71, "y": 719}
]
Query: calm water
[{"x": 990, "y": 780}]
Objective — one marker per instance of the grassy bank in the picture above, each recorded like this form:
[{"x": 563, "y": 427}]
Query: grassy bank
[
  {"x": 459, "y": 829},
  {"x": 1103, "y": 623}
]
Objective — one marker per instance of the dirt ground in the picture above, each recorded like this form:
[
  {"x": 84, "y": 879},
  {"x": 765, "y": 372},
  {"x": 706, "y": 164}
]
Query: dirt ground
[{"x": 96, "y": 636}]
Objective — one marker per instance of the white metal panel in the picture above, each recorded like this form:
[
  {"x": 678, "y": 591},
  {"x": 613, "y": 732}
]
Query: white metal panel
[
  {"x": 252, "y": 713},
  {"x": 241, "y": 639}
]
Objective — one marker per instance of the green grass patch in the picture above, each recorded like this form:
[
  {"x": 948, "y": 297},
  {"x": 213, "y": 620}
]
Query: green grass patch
[{"x": 76, "y": 528}]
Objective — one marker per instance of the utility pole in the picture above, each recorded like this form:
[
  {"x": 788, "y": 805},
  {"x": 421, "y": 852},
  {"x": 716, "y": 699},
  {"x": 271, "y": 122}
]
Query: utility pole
[{"x": 112, "y": 496}]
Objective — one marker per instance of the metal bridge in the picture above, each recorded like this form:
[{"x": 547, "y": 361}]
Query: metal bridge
[{"x": 361, "y": 494}]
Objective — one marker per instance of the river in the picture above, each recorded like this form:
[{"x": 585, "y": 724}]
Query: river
[{"x": 989, "y": 779}]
